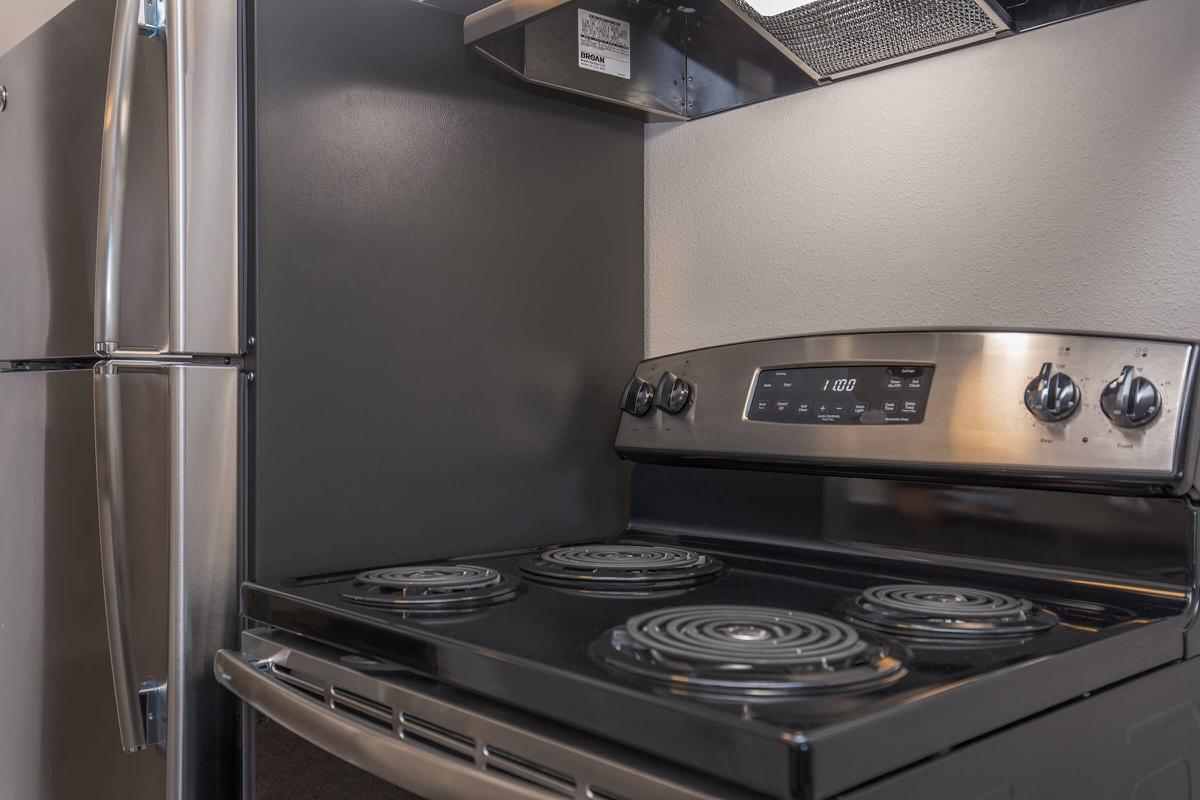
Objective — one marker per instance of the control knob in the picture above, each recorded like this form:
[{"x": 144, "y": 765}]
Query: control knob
[
  {"x": 673, "y": 393},
  {"x": 1051, "y": 396},
  {"x": 1131, "y": 400},
  {"x": 637, "y": 398}
]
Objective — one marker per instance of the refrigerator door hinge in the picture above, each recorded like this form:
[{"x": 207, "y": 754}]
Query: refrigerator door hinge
[
  {"x": 152, "y": 18},
  {"x": 152, "y": 696}
]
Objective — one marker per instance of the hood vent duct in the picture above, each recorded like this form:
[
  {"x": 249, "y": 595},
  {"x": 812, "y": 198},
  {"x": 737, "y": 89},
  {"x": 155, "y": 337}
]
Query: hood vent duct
[{"x": 682, "y": 59}]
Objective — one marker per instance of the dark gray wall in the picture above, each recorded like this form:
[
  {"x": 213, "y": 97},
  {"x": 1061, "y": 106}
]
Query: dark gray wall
[{"x": 450, "y": 295}]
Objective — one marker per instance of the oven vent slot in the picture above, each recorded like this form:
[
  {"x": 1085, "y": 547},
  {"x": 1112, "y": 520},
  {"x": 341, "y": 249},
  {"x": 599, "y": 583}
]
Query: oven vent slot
[
  {"x": 522, "y": 769},
  {"x": 306, "y": 685},
  {"x": 596, "y": 793},
  {"x": 363, "y": 708},
  {"x": 436, "y": 736}
]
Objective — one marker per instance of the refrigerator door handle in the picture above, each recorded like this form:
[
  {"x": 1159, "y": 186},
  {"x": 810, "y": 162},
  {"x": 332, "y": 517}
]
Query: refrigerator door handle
[
  {"x": 419, "y": 770},
  {"x": 140, "y": 704},
  {"x": 114, "y": 163}
]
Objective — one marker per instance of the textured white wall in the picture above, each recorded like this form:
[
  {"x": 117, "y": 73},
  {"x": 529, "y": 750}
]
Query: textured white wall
[
  {"x": 1050, "y": 179},
  {"x": 19, "y": 18}
]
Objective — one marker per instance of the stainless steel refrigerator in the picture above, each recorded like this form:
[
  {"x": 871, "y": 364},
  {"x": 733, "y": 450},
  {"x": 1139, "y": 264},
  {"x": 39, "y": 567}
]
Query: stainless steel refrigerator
[{"x": 120, "y": 385}]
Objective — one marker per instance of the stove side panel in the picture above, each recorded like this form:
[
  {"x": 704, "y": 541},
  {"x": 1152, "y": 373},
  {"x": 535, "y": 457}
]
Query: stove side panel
[{"x": 1140, "y": 740}]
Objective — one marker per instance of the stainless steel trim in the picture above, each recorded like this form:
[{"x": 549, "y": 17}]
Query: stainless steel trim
[
  {"x": 976, "y": 419},
  {"x": 114, "y": 157},
  {"x": 409, "y": 766},
  {"x": 202, "y": 130},
  {"x": 436, "y": 741},
  {"x": 501, "y": 16},
  {"x": 136, "y": 733}
]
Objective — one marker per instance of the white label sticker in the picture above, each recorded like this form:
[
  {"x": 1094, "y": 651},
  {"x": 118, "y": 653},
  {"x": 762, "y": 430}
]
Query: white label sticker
[{"x": 603, "y": 44}]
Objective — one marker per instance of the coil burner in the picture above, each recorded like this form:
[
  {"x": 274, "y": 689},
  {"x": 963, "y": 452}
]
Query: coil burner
[
  {"x": 431, "y": 587},
  {"x": 626, "y": 568},
  {"x": 748, "y": 652},
  {"x": 948, "y": 612}
]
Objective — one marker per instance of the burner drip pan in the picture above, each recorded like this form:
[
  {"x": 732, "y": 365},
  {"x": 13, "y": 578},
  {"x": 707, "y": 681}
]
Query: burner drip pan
[
  {"x": 430, "y": 587},
  {"x": 948, "y": 612},
  {"x": 621, "y": 567},
  {"x": 748, "y": 652}
]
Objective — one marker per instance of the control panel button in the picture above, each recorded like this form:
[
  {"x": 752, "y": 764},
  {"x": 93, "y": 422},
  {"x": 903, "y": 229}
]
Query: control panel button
[
  {"x": 1051, "y": 396},
  {"x": 890, "y": 406},
  {"x": 1130, "y": 401},
  {"x": 637, "y": 397},
  {"x": 673, "y": 393}
]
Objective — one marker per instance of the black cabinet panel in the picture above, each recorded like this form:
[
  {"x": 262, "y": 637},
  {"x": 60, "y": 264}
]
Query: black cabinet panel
[{"x": 449, "y": 295}]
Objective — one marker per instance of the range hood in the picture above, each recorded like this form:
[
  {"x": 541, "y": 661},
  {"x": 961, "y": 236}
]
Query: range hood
[{"x": 682, "y": 59}]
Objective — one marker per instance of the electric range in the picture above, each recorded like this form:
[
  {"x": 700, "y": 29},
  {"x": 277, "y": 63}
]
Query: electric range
[{"x": 852, "y": 562}]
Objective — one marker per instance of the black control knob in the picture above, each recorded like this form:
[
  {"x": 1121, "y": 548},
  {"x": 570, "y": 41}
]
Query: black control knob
[
  {"x": 1051, "y": 396},
  {"x": 1131, "y": 400},
  {"x": 673, "y": 393},
  {"x": 638, "y": 397}
]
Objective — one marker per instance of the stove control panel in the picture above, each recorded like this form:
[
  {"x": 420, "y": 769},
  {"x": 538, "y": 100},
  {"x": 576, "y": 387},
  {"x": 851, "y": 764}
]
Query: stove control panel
[
  {"x": 1024, "y": 407},
  {"x": 849, "y": 394}
]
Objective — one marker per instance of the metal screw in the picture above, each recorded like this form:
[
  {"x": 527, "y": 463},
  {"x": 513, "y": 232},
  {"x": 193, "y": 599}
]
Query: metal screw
[
  {"x": 3, "y": 97},
  {"x": 250, "y": 377},
  {"x": 250, "y": 342}
]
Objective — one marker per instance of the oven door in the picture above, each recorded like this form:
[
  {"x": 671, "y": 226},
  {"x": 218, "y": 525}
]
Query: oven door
[{"x": 431, "y": 740}]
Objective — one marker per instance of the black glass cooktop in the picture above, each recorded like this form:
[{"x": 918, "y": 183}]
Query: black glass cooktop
[{"x": 649, "y": 648}]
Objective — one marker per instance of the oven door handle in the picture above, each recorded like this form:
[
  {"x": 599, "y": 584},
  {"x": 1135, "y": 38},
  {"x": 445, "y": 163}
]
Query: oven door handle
[{"x": 385, "y": 755}]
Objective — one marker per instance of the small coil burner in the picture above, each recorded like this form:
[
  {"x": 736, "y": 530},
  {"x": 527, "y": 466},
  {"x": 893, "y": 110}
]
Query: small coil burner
[
  {"x": 431, "y": 587},
  {"x": 631, "y": 568},
  {"x": 948, "y": 612},
  {"x": 748, "y": 652}
]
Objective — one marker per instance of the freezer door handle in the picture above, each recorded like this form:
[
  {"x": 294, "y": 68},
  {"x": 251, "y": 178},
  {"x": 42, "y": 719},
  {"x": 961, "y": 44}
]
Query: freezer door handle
[
  {"x": 114, "y": 163},
  {"x": 140, "y": 703},
  {"x": 419, "y": 770},
  {"x": 201, "y": 107}
]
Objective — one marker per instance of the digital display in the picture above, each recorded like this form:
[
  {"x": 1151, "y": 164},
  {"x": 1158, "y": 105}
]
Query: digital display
[{"x": 842, "y": 395}]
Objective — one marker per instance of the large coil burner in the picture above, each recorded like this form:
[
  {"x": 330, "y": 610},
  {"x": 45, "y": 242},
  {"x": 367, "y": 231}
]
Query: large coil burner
[
  {"x": 926, "y": 611},
  {"x": 431, "y": 587},
  {"x": 627, "y": 568},
  {"x": 748, "y": 652}
]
